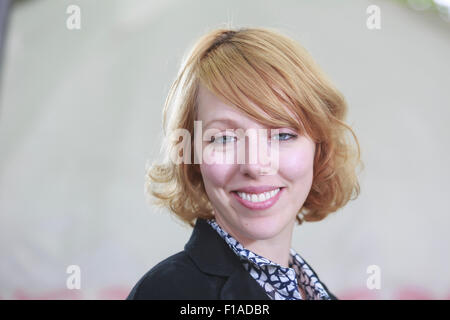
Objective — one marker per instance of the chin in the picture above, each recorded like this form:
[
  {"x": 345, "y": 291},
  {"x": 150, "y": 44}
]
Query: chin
[{"x": 262, "y": 228}]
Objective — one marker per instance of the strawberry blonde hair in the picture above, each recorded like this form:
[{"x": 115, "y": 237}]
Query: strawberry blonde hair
[{"x": 262, "y": 67}]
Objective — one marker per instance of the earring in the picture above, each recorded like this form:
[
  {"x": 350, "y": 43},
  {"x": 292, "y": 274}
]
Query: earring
[{"x": 300, "y": 218}]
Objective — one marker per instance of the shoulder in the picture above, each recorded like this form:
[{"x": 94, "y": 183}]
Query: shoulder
[
  {"x": 161, "y": 280},
  {"x": 176, "y": 277}
]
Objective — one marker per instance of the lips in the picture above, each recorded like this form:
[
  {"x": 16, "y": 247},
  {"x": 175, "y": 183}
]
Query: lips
[
  {"x": 244, "y": 199},
  {"x": 257, "y": 189}
]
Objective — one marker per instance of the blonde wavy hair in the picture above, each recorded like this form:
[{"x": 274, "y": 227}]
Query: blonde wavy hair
[{"x": 262, "y": 67}]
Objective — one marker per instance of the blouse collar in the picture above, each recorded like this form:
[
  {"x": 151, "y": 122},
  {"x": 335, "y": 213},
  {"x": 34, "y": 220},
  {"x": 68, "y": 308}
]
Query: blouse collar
[{"x": 280, "y": 283}]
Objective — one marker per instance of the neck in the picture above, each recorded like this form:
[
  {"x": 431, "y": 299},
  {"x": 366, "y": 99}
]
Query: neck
[
  {"x": 276, "y": 249},
  {"x": 273, "y": 250}
]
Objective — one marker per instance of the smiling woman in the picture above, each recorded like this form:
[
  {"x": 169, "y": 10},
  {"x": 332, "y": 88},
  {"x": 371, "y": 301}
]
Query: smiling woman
[{"x": 235, "y": 83}]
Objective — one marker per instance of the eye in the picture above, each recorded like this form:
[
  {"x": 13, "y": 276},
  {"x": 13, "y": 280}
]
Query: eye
[
  {"x": 222, "y": 139},
  {"x": 285, "y": 136}
]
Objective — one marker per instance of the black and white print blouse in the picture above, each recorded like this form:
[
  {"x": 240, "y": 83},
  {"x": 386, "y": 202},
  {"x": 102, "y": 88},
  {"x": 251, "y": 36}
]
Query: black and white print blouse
[{"x": 280, "y": 283}]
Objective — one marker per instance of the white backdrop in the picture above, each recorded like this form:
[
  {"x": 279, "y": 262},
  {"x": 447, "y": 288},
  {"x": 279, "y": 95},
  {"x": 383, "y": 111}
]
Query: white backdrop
[{"x": 80, "y": 115}]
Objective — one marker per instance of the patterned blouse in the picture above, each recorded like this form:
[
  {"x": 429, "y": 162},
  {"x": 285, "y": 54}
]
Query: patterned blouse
[{"x": 280, "y": 283}]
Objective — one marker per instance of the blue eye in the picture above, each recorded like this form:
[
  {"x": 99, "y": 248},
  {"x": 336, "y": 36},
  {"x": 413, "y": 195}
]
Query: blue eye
[
  {"x": 219, "y": 140},
  {"x": 290, "y": 136},
  {"x": 226, "y": 139}
]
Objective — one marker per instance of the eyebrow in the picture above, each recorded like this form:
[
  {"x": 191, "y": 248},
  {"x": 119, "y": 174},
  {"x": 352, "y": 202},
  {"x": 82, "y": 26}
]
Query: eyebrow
[{"x": 227, "y": 121}]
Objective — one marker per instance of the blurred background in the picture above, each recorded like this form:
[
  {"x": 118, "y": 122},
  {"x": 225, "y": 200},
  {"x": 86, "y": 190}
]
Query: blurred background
[{"x": 83, "y": 84}]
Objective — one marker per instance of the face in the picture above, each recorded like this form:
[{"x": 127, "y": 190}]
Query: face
[{"x": 236, "y": 188}]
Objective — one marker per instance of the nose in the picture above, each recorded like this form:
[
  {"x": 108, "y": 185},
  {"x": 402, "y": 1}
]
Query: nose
[
  {"x": 257, "y": 157},
  {"x": 254, "y": 170}
]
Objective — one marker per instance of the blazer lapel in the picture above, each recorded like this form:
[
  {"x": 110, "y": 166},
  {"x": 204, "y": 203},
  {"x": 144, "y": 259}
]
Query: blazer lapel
[
  {"x": 212, "y": 255},
  {"x": 241, "y": 286}
]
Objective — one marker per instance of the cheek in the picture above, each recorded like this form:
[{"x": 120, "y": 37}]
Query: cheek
[
  {"x": 295, "y": 164},
  {"x": 216, "y": 175},
  {"x": 217, "y": 167}
]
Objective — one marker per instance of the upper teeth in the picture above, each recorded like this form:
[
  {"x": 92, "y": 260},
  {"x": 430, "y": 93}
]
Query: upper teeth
[{"x": 258, "y": 197}]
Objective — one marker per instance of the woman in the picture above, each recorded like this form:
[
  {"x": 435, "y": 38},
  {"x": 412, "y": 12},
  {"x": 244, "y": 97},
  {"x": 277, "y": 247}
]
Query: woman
[{"x": 241, "y": 95}]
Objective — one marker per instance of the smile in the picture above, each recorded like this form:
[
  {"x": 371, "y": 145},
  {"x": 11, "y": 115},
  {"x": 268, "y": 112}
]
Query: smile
[
  {"x": 258, "y": 197},
  {"x": 258, "y": 201}
]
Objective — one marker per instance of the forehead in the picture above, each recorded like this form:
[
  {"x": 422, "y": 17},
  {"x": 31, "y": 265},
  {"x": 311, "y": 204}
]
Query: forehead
[
  {"x": 211, "y": 107},
  {"x": 208, "y": 103}
]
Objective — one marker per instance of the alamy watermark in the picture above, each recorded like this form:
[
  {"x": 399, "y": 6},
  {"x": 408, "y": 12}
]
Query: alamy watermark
[
  {"x": 214, "y": 147},
  {"x": 373, "y": 21},
  {"x": 374, "y": 280},
  {"x": 73, "y": 281},
  {"x": 73, "y": 21}
]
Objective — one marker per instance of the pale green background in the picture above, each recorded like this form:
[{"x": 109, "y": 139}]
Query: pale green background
[{"x": 81, "y": 115}]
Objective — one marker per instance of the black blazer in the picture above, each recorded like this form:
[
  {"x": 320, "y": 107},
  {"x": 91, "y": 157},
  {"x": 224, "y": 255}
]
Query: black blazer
[{"x": 206, "y": 269}]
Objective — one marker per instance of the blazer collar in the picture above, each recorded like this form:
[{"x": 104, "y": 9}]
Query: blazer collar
[{"x": 213, "y": 256}]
